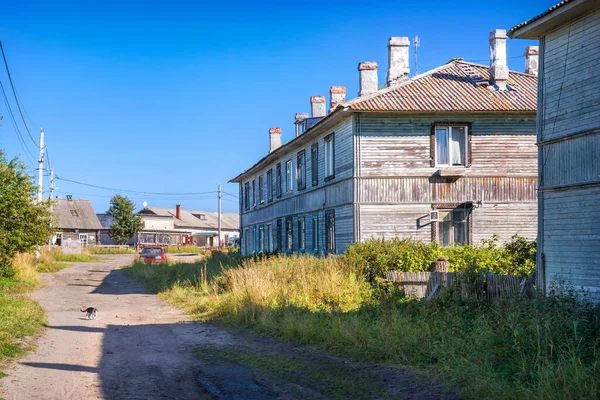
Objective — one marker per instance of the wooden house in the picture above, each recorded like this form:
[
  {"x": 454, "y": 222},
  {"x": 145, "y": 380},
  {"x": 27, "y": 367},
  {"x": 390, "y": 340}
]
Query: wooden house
[
  {"x": 447, "y": 156},
  {"x": 76, "y": 220},
  {"x": 568, "y": 136}
]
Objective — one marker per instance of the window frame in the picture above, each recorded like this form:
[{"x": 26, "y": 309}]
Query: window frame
[
  {"x": 433, "y": 143},
  {"x": 445, "y": 207},
  {"x": 329, "y": 158},
  {"x": 261, "y": 239},
  {"x": 330, "y": 245},
  {"x": 269, "y": 238},
  {"x": 253, "y": 239},
  {"x": 301, "y": 234},
  {"x": 279, "y": 234},
  {"x": 270, "y": 185},
  {"x": 289, "y": 176},
  {"x": 253, "y": 192},
  {"x": 278, "y": 181},
  {"x": 247, "y": 195},
  {"x": 87, "y": 239},
  {"x": 301, "y": 170},
  {"x": 315, "y": 233},
  {"x": 247, "y": 241},
  {"x": 314, "y": 163},
  {"x": 261, "y": 189},
  {"x": 289, "y": 234}
]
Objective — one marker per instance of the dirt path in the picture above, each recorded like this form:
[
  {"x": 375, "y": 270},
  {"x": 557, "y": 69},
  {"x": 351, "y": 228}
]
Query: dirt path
[{"x": 142, "y": 348}]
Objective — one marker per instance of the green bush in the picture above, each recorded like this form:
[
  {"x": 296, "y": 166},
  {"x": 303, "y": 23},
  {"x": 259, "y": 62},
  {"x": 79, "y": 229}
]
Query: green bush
[{"x": 374, "y": 258}]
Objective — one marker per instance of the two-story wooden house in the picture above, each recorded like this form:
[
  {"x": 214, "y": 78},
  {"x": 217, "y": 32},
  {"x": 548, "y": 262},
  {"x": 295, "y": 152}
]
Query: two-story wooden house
[{"x": 448, "y": 156}]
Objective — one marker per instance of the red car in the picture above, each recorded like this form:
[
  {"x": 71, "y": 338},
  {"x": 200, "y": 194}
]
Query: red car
[{"x": 153, "y": 255}]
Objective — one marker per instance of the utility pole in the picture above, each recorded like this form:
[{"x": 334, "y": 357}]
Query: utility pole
[
  {"x": 41, "y": 165},
  {"x": 220, "y": 194},
  {"x": 50, "y": 198}
]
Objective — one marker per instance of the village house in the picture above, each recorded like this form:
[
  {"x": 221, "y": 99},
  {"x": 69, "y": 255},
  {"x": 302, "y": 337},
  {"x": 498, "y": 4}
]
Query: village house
[
  {"x": 176, "y": 226},
  {"x": 446, "y": 156},
  {"x": 568, "y": 137},
  {"x": 75, "y": 220}
]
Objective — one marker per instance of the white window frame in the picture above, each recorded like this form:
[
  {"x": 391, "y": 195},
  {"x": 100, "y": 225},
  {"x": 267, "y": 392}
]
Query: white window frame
[
  {"x": 330, "y": 156},
  {"x": 83, "y": 235},
  {"x": 59, "y": 235},
  {"x": 289, "y": 176},
  {"x": 453, "y": 222},
  {"x": 448, "y": 129}
]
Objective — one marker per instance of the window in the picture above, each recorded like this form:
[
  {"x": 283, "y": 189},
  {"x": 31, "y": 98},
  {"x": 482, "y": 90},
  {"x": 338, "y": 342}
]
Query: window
[
  {"x": 279, "y": 234},
  {"x": 247, "y": 195},
  {"x": 451, "y": 145},
  {"x": 278, "y": 181},
  {"x": 269, "y": 238},
  {"x": 314, "y": 163},
  {"x": 261, "y": 190},
  {"x": 329, "y": 157},
  {"x": 254, "y": 192},
  {"x": 261, "y": 239},
  {"x": 288, "y": 176},
  {"x": 59, "y": 237},
  {"x": 330, "y": 230},
  {"x": 301, "y": 170},
  {"x": 74, "y": 213},
  {"x": 315, "y": 234},
  {"x": 453, "y": 227},
  {"x": 289, "y": 234},
  {"x": 247, "y": 241},
  {"x": 301, "y": 235},
  {"x": 83, "y": 238},
  {"x": 270, "y": 185}
]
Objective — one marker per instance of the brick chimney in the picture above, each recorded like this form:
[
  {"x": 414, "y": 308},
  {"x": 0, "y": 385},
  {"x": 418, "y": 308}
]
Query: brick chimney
[
  {"x": 178, "y": 211},
  {"x": 531, "y": 60},
  {"x": 275, "y": 139},
  {"x": 299, "y": 122},
  {"x": 317, "y": 106},
  {"x": 398, "y": 68},
  {"x": 367, "y": 77},
  {"x": 337, "y": 95},
  {"x": 498, "y": 67}
]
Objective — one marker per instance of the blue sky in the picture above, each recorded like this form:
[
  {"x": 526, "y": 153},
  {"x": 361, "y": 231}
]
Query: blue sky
[{"x": 179, "y": 96}]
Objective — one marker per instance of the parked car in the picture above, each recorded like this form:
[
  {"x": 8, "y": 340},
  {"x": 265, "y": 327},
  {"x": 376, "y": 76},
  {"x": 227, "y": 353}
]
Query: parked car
[{"x": 153, "y": 255}]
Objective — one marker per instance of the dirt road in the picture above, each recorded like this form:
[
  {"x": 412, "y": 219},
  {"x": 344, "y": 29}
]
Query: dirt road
[{"x": 142, "y": 348}]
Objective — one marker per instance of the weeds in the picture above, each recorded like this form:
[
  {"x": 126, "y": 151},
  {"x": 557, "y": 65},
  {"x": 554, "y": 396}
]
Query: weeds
[{"x": 110, "y": 250}]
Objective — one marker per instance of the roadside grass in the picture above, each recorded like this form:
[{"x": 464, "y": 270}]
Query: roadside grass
[
  {"x": 546, "y": 348},
  {"x": 57, "y": 255},
  {"x": 110, "y": 250},
  {"x": 185, "y": 249}
]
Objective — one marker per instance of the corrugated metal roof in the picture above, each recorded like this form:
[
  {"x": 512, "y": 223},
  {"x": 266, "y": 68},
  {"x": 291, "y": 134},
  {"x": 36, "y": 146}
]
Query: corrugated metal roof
[
  {"x": 229, "y": 221},
  {"x": 75, "y": 214},
  {"x": 548, "y": 11},
  {"x": 456, "y": 86}
]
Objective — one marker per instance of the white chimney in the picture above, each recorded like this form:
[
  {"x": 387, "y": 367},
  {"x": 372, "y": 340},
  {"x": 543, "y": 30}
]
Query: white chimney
[
  {"x": 367, "y": 77},
  {"x": 337, "y": 95},
  {"x": 299, "y": 122},
  {"x": 498, "y": 67},
  {"x": 275, "y": 139},
  {"x": 317, "y": 106},
  {"x": 398, "y": 68},
  {"x": 531, "y": 60}
]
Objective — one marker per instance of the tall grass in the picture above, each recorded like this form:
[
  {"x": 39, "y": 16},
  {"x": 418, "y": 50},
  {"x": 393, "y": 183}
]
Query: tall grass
[
  {"x": 185, "y": 249},
  {"x": 546, "y": 348},
  {"x": 110, "y": 250}
]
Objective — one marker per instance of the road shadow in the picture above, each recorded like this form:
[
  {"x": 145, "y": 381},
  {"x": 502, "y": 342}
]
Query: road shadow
[{"x": 116, "y": 283}]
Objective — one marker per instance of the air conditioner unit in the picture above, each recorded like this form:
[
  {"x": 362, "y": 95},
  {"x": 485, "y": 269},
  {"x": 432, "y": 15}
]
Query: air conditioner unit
[{"x": 434, "y": 216}]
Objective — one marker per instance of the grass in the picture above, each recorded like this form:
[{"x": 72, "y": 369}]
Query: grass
[
  {"x": 110, "y": 250},
  {"x": 185, "y": 249},
  {"x": 547, "y": 348}
]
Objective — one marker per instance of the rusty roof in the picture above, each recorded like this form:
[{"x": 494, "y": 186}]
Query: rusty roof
[{"x": 455, "y": 86}]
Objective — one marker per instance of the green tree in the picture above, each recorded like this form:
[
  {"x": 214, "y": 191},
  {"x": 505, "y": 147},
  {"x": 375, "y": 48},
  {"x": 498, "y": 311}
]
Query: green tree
[
  {"x": 24, "y": 222},
  {"x": 126, "y": 224}
]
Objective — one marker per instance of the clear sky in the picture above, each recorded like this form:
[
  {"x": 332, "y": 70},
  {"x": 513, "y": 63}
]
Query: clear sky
[{"x": 178, "y": 96}]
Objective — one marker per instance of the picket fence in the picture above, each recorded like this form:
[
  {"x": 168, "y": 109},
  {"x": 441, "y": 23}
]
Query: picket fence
[{"x": 485, "y": 285}]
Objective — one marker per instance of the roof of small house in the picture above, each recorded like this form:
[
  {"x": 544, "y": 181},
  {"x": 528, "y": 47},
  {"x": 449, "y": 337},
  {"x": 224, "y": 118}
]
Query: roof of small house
[
  {"x": 75, "y": 214},
  {"x": 196, "y": 219},
  {"x": 456, "y": 86}
]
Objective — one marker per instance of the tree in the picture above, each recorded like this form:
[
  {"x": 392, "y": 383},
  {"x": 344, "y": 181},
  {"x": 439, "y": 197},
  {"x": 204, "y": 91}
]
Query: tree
[
  {"x": 126, "y": 224},
  {"x": 24, "y": 222}
]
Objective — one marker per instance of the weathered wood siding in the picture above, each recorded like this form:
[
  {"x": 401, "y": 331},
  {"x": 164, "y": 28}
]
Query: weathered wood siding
[
  {"x": 313, "y": 200},
  {"x": 569, "y": 136},
  {"x": 396, "y": 185}
]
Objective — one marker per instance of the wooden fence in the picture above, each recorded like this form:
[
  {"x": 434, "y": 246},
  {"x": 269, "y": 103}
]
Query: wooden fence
[{"x": 486, "y": 285}]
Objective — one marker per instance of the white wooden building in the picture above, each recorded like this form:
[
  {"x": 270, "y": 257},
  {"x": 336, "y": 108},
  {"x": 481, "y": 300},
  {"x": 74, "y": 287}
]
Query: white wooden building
[
  {"x": 568, "y": 136},
  {"x": 448, "y": 156}
]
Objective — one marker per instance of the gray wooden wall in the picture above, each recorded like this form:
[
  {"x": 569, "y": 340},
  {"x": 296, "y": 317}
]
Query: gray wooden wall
[{"x": 569, "y": 136}]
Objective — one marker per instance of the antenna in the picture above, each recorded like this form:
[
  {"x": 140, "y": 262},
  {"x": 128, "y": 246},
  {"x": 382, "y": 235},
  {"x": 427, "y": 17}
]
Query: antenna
[{"x": 417, "y": 43}]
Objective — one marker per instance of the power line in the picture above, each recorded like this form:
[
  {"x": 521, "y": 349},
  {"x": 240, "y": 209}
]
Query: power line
[
  {"x": 135, "y": 191},
  {"x": 26, "y": 150},
  {"x": 15, "y": 94},
  {"x": 232, "y": 195}
]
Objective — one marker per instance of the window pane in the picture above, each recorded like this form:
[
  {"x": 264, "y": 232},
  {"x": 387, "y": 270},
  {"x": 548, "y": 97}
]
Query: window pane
[
  {"x": 314, "y": 160},
  {"x": 315, "y": 233},
  {"x": 441, "y": 146},
  {"x": 460, "y": 227},
  {"x": 458, "y": 145}
]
